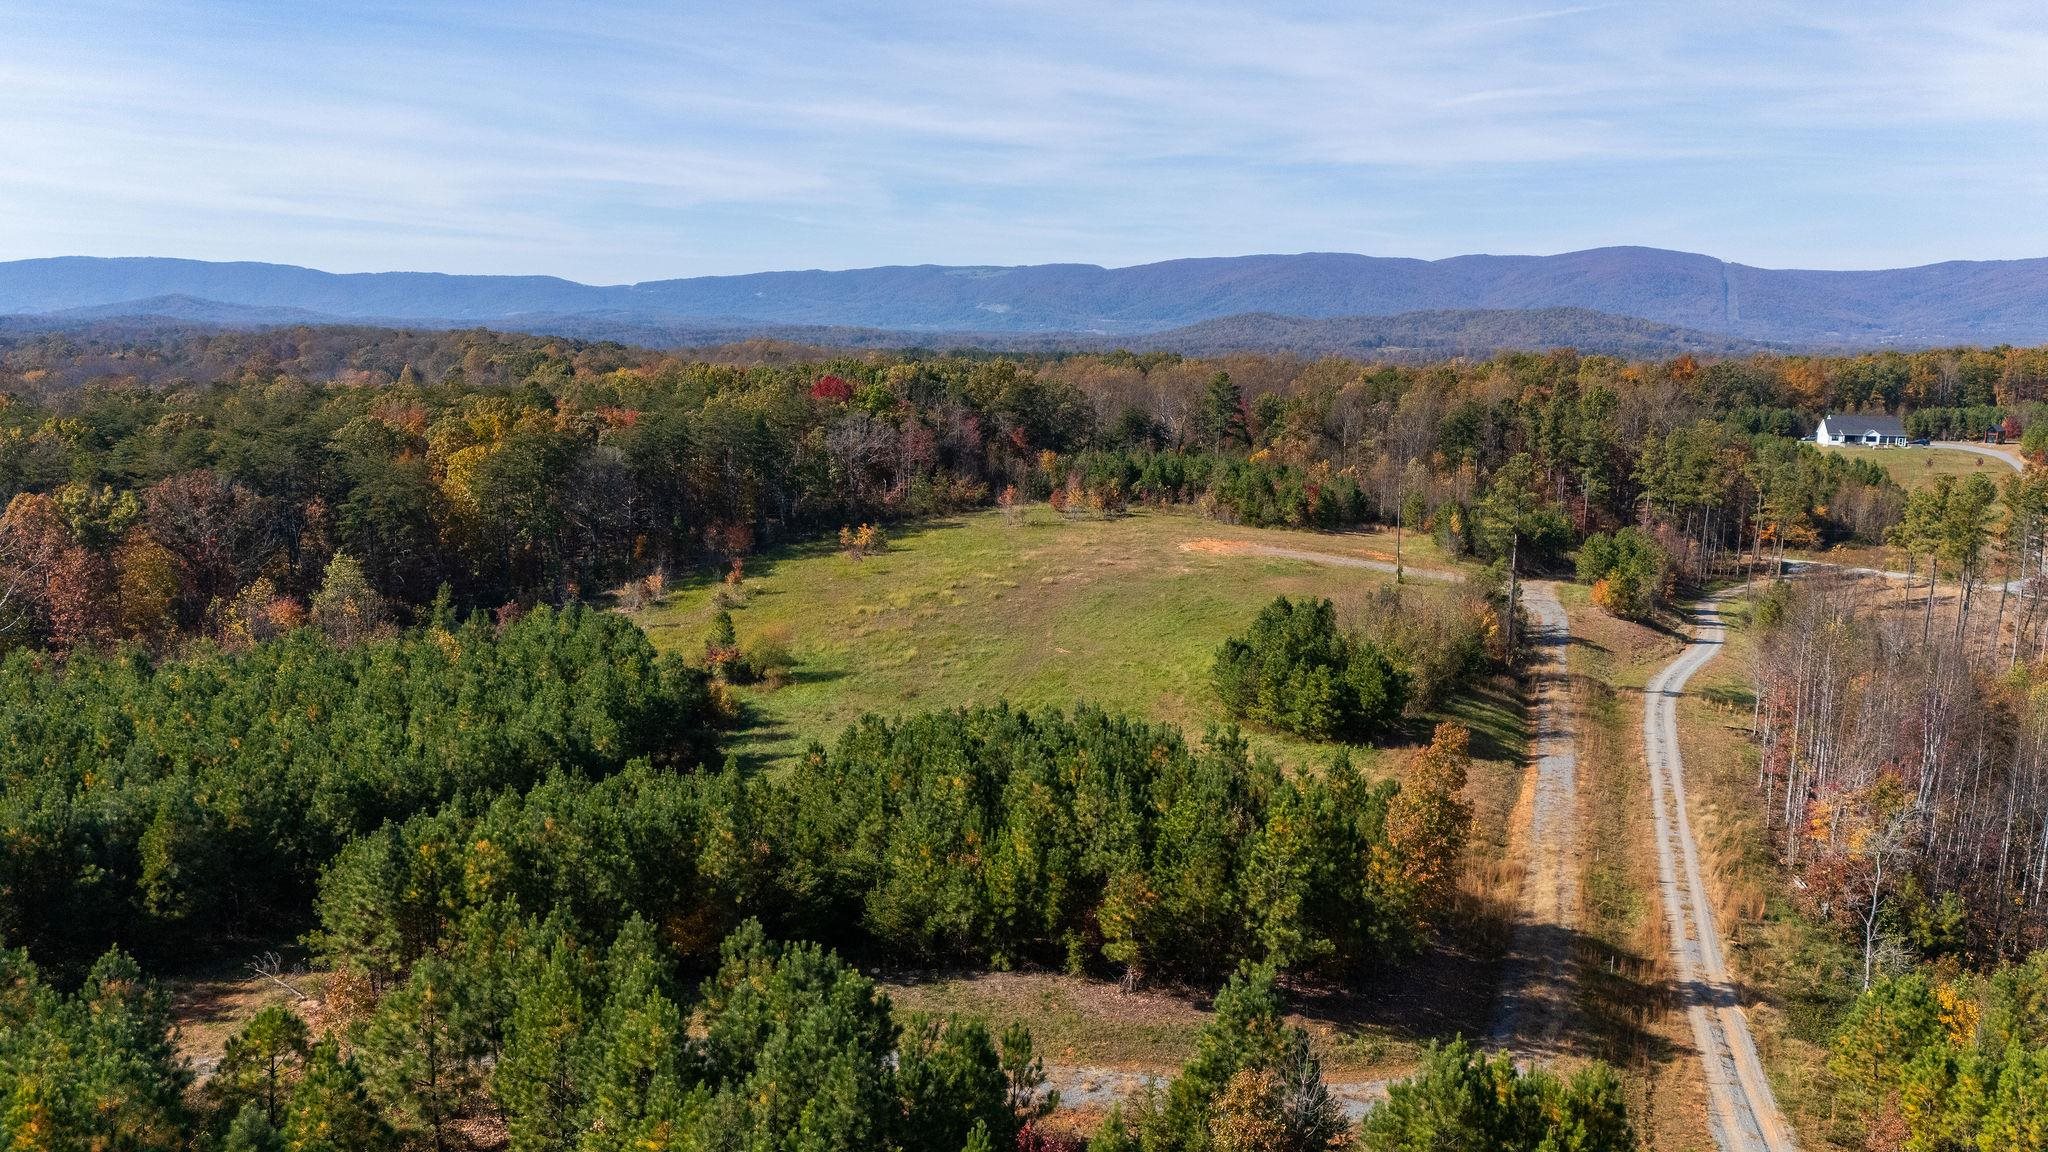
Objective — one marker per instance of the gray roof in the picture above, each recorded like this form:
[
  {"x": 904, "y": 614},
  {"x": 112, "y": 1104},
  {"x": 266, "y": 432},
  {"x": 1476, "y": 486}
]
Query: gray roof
[{"x": 1862, "y": 424}]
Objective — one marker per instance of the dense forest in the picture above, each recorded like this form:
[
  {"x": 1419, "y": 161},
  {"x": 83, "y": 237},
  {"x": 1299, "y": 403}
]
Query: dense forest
[
  {"x": 160, "y": 485},
  {"x": 299, "y": 641}
]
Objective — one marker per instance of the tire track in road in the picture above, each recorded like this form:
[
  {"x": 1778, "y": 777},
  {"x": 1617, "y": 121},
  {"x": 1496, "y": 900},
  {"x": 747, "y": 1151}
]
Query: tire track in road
[
  {"x": 1536, "y": 985},
  {"x": 1742, "y": 1113}
]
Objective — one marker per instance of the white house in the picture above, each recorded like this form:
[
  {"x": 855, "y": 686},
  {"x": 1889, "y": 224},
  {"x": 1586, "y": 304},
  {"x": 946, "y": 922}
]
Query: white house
[{"x": 1856, "y": 428}]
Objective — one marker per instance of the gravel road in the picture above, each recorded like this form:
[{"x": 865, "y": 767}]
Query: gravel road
[{"x": 1742, "y": 1113}]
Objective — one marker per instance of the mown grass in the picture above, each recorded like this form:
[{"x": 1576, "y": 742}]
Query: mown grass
[{"x": 1918, "y": 467}]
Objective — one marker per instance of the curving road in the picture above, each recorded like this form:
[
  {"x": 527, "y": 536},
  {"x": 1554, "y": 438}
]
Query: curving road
[
  {"x": 1741, "y": 1111},
  {"x": 1536, "y": 990},
  {"x": 2009, "y": 459}
]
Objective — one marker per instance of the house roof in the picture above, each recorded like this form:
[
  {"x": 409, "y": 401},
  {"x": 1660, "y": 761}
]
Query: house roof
[{"x": 1861, "y": 424}]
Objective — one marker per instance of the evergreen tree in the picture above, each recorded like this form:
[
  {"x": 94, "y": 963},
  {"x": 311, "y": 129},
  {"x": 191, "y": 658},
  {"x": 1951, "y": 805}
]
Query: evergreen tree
[
  {"x": 418, "y": 1050},
  {"x": 130, "y": 1077},
  {"x": 260, "y": 1066},
  {"x": 347, "y": 606},
  {"x": 252, "y": 1131},
  {"x": 952, "y": 1084},
  {"x": 799, "y": 1048},
  {"x": 536, "y": 1080},
  {"x": 1462, "y": 1101},
  {"x": 634, "y": 1070},
  {"x": 331, "y": 1111},
  {"x": 1221, "y": 417}
]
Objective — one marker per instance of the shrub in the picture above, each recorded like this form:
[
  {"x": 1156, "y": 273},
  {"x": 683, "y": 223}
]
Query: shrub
[
  {"x": 859, "y": 543},
  {"x": 768, "y": 658},
  {"x": 1627, "y": 570},
  {"x": 1296, "y": 672},
  {"x": 1438, "y": 637}
]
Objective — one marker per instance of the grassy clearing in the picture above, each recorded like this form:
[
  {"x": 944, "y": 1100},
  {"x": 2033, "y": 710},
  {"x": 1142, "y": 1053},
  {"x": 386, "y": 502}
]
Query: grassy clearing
[
  {"x": 1081, "y": 1023},
  {"x": 1918, "y": 467},
  {"x": 1039, "y": 611},
  {"x": 1795, "y": 969}
]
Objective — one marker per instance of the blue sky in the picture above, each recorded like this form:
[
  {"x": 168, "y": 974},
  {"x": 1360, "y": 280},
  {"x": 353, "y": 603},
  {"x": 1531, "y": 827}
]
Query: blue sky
[{"x": 614, "y": 142}]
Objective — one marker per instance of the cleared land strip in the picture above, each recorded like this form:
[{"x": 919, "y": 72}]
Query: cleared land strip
[
  {"x": 1334, "y": 559},
  {"x": 1741, "y": 1111},
  {"x": 1536, "y": 978}
]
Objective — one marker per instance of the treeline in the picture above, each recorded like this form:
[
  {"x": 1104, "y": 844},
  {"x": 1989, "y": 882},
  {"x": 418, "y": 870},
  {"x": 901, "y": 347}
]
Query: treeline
[
  {"x": 167, "y": 485},
  {"x": 1961, "y": 1061},
  {"x": 1903, "y": 768},
  {"x": 566, "y": 1042},
  {"x": 784, "y": 1048},
  {"x": 551, "y": 766}
]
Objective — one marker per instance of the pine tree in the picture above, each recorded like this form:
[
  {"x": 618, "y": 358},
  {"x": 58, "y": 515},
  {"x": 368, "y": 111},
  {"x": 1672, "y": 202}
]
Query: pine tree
[
  {"x": 1221, "y": 418},
  {"x": 252, "y": 1131},
  {"x": 131, "y": 1075},
  {"x": 330, "y": 1110},
  {"x": 536, "y": 1080},
  {"x": 260, "y": 1065},
  {"x": 634, "y": 1069},
  {"x": 347, "y": 606},
  {"x": 418, "y": 1052}
]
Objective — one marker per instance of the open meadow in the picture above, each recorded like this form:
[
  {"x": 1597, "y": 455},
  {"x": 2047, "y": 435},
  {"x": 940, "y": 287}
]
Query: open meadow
[{"x": 1041, "y": 611}]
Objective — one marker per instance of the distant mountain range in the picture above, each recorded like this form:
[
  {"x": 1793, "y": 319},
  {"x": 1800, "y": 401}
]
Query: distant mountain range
[{"x": 1616, "y": 299}]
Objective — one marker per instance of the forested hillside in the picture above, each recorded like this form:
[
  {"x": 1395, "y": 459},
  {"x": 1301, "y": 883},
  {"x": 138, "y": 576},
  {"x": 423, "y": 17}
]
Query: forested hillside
[
  {"x": 306, "y": 639},
  {"x": 1956, "y": 301}
]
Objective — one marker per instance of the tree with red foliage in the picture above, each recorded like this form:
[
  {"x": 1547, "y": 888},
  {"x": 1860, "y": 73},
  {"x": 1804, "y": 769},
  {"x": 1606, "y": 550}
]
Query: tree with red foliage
[
  {"x": 833, "y": 388},
  {"x": 216, "y": 528}
]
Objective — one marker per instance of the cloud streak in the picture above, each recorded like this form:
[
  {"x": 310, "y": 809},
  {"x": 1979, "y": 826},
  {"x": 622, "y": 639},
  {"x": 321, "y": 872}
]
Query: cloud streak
[{"x": 625, "y": 141}]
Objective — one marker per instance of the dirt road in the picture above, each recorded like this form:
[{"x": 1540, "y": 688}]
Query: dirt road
[
  {"x": 1536, "y": 986},
  {"x": 1334, "y": 559},
  {"x": 1741, "y": 1111}
]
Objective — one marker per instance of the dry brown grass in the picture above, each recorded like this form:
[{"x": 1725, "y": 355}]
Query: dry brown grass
[{"x": 1629, "y": 1013}]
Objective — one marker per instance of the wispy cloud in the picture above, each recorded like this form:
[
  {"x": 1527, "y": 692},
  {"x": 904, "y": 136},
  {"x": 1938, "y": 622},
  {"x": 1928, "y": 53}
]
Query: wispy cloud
[{"x": 630, "y": 140}]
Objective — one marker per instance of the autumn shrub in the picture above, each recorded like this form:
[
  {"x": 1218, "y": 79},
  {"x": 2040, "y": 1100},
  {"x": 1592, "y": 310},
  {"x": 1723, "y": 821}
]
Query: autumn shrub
[
  {"x": 859, "y": 543},
  {"x": 1627, "y": 569},
  {"x": 1439, "y": 637},
  {"x": 767, "y": 656}
]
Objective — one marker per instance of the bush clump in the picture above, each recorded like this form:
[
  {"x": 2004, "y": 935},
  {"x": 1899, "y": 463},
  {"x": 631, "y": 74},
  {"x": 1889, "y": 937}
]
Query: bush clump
[
  {"x": 1627, "y": 570},
  {"x": 1297, "y": 672}
]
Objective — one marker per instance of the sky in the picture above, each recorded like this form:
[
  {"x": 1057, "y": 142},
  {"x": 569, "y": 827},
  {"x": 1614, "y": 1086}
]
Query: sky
[{"x": 615, "y": 142}]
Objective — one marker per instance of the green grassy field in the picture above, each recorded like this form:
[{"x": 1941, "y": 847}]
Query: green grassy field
[
  {"x": 1038, "y": 610},
  {"x": 1918, "y": 467}
]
